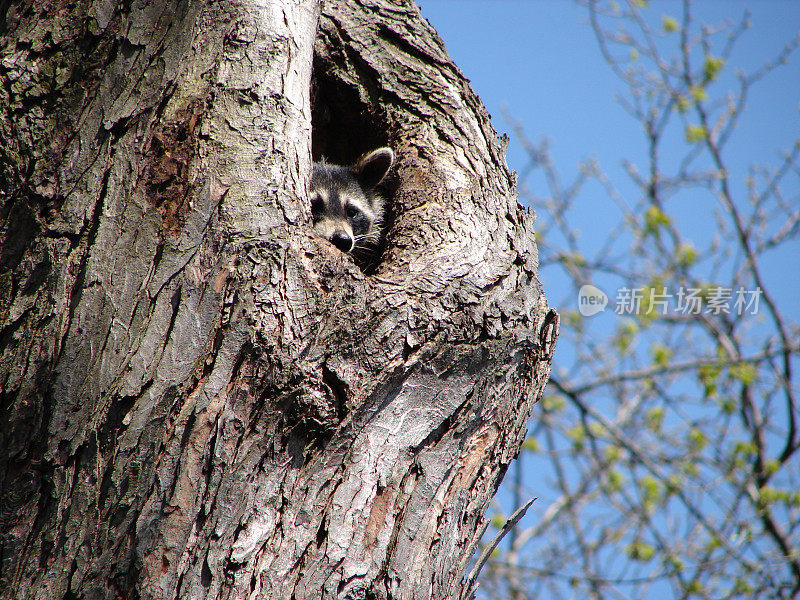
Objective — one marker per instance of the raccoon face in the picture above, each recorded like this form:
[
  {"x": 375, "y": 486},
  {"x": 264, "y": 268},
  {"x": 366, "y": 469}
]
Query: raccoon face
[{"x": 347, "y": 210}]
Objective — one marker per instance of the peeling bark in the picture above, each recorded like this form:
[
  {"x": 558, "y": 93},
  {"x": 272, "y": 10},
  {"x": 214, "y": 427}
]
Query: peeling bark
[{"x": 199, "y": 398}]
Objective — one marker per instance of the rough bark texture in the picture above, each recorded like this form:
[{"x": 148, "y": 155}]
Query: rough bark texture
[{"x": 200, "y": 399}]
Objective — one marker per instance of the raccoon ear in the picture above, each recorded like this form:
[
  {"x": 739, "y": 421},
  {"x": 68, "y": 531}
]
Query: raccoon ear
[{"x": 372, "y": 168}]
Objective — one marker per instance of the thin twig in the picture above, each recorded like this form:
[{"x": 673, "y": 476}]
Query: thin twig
[{"x": 469, "y": 586}]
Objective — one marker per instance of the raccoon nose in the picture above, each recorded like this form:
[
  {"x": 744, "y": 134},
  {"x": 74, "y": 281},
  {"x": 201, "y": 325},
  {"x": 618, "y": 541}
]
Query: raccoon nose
[{"x": 342, "y": 241}]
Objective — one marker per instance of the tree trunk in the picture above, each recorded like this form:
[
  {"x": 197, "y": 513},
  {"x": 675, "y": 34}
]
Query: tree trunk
[{"x": 199, "y": 398}]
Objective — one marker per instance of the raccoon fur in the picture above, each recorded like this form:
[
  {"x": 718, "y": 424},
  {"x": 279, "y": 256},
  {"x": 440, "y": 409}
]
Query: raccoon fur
[{"x": 346, "y": 208}]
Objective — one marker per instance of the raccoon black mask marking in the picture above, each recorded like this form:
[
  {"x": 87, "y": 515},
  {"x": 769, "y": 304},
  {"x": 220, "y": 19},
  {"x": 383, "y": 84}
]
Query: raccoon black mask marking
[{"x": 347, "y": 210}]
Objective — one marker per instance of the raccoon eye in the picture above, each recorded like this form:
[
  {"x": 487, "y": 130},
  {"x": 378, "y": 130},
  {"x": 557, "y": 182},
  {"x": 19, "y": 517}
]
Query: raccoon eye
[
  {"x": 351, "y": 211},
  {"x": 316, "y": 203}
]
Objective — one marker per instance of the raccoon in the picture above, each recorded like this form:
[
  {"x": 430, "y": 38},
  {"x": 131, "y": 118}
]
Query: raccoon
[{"x": 347, "y": 210}]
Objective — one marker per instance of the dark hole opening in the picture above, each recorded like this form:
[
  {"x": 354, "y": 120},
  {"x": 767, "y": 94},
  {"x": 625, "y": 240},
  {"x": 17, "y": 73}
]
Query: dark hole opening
[{"x": 345, "y": 127}]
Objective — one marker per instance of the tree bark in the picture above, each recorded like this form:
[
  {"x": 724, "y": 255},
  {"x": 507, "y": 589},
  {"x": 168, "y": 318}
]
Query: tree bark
[{"x": 199, "y": 398}]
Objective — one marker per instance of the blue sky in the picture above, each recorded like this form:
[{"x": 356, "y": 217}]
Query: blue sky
[{"x": 539, "y": 59}]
